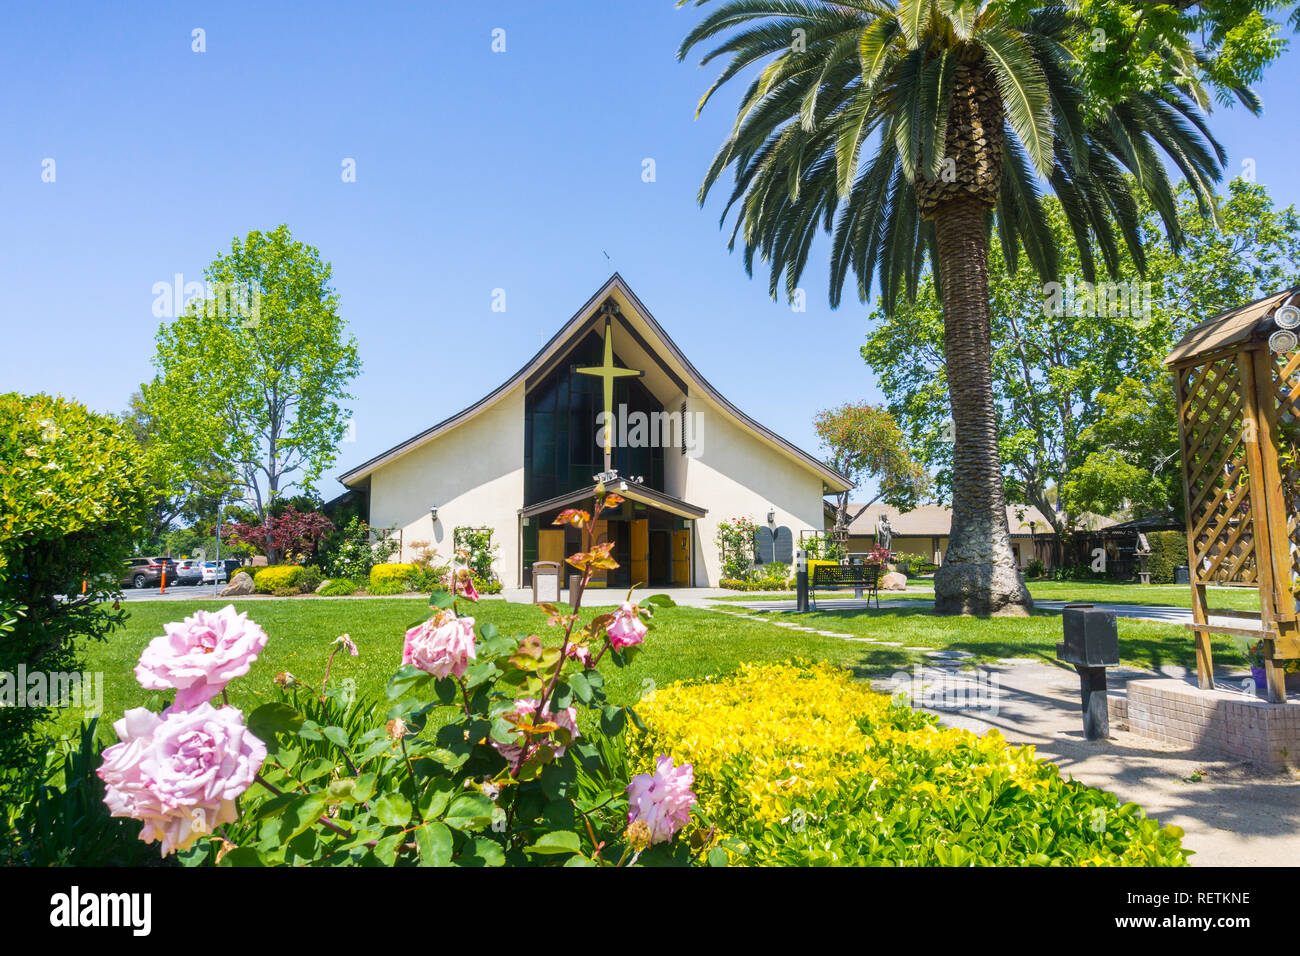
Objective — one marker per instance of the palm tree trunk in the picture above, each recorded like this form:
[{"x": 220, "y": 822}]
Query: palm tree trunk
[{"x": 979, "y": 573}]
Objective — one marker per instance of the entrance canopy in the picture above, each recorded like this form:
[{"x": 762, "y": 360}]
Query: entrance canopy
[
  {"x": 586, "y": 498},
  {"x": 652, "y": 534}
]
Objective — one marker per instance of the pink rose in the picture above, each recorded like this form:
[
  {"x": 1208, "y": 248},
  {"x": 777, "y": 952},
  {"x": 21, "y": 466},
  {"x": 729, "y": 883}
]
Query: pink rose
[
  {"x": 580, "y": 653},
  {"x": 180, "y": 773},
  {"x": 200, "y": 655},
  {"x": 626, "y": 628},
  {"x": 443, "y": 645},
  {"x": 567, "y": 719},
  {"x": 662, "y": 801}
]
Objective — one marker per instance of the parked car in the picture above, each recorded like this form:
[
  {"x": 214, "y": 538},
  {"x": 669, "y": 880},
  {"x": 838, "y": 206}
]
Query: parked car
[
  {"x": 189, "y": 571},
  {"x": 216, "y": 572},
  {"x": 147, "y": 572}
]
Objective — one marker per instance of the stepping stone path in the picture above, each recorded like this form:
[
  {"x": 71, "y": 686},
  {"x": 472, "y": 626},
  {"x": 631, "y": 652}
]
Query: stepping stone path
[{"x": 949, "y": 655}]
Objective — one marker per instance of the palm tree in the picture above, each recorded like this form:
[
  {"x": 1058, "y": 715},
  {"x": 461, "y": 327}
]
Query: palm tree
[{"x": 910, "y": 132}]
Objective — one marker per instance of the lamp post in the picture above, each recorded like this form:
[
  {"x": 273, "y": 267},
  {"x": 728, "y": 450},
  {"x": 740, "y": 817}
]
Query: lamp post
[{"x": 216, "y": 572}]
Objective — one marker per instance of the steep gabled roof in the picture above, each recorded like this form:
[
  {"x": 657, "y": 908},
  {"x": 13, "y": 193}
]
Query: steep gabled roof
[{"x": 832, "y": 479}]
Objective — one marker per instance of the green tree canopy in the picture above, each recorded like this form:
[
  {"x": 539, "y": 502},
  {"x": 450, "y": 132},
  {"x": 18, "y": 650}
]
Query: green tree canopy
[
  {"x": 253, "y": 375},
  {"x": 1082, "y": 398},
  {"x": 866, "y": 444},
  {"x": 919, "y": 133}
]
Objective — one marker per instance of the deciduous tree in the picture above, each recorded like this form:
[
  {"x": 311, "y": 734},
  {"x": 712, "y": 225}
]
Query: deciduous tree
[{"x": 259, "y": 388}]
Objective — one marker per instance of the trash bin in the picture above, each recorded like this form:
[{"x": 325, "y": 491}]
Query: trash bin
[
  {"x": 546, "y": 582},
  {"x": 1182, "y": 574}
]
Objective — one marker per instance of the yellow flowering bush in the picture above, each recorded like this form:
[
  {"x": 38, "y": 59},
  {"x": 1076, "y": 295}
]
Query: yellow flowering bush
[{"x": 801, "y": 765}]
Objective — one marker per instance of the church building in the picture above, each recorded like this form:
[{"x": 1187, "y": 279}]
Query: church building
[{"x": 610, "y": 395}]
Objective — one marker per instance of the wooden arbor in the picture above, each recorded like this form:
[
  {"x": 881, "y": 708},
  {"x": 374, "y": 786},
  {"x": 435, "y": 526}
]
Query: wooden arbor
[{"x": 1237, "y": 386}]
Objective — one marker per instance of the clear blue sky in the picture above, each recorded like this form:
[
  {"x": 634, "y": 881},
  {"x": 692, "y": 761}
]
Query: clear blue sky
[{"x": 475, "y": 170}]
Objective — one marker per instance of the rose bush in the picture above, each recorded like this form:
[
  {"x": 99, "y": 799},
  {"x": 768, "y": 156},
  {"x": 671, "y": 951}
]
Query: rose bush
[{"x": 477, "y": 760}]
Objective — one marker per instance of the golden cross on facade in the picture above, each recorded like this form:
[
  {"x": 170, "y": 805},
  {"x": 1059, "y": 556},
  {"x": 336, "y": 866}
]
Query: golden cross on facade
[{"x": 607, "y": 371}]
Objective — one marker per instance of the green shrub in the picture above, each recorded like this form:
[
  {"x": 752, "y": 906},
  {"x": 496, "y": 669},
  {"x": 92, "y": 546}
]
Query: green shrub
[
  {"x": 75, "y": 491},
  {"x": 1168, "y": 551},
  {"x": 1035, "y": 568},
  {"x": 310, "y": 580},
  {"x": 755, "y": 584},
  {"x": 59, "y": 818},
  {"x": 384, "y": 578},
  {"x": 276, "y": 578},
  {"x": 338, "y": 587}
]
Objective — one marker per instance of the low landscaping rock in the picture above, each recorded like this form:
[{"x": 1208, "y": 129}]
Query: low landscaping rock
[
  {"x": 323, "y": 585},
  {"x": 241, "y": 583},
  {"x": 893, "y": 581}
]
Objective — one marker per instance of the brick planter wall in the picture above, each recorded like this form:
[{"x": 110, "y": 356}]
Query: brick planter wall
[{"x": 1222, "y": 722}]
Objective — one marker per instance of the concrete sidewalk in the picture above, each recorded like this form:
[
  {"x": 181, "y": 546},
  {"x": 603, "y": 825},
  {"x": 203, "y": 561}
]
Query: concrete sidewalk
[{"x": 1233, "y": 813}]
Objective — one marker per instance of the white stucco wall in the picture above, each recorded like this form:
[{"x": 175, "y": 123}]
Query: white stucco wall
[
  {"x": 473, "y": 473},
  {"x": 737, "y": 474}
]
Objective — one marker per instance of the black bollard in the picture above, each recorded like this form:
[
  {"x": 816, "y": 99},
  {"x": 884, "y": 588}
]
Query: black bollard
[
  {"x": 1096, "y": 705},
  {"x": 1091, "y": 644},
  {"x": 801, "y": 582}
]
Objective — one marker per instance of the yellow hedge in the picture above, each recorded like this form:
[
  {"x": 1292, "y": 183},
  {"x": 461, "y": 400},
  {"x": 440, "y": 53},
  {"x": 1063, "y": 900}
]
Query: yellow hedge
[
  {"x": 801, "y": 765},
  {"x": 384, "y": 574},
  {"x": 274, "y": 577}
]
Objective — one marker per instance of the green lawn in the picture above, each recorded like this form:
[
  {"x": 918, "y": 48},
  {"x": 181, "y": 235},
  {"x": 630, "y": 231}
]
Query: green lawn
[
  {"x": 1142, "y": 643},
  {"x": 686, "y": 643}
]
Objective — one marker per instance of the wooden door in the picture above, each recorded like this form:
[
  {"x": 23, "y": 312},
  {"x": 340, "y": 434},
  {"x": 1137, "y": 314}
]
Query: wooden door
[
  {"x": 550, "y": 545},
  {"x": 641, "y": 551},
  {"x": 682, "y": 558}
]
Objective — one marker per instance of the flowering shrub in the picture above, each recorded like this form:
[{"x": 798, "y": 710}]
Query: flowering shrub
[
  {"x": 801, "y": 765},
  {"x": 735, "y": 541},
  {"x": 353, "y": 554},
  {"x": 479, "y": 760},
  {"x": 474, "y": 548}
]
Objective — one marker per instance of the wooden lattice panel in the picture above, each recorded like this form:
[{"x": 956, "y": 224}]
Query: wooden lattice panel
[
  {"x": 1221, "y": 512},
  {"x": 1286, "y": 384}
]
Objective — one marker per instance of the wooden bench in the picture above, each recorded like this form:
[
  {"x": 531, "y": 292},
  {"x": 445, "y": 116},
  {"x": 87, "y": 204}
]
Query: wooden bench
[{"x": 859, "y": 577}]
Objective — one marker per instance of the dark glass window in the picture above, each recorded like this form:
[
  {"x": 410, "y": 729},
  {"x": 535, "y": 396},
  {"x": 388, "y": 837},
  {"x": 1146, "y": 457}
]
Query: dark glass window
[{"x": 560, "y": 450}]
